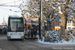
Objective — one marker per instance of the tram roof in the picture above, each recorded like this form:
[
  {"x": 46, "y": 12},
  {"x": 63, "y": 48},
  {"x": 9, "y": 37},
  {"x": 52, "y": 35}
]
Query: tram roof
[{"x": 15, "y": 17}]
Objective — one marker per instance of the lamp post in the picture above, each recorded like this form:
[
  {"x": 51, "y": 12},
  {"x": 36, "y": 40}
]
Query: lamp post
[{"x": 40, "y": 21}]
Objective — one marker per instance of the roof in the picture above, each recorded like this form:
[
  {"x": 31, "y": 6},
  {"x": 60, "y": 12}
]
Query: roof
[{"x": 15, "y": 17}]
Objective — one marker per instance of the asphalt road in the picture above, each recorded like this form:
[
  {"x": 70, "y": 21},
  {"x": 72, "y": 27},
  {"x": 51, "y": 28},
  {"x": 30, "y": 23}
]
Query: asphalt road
[{"x": 30, "y": 45}]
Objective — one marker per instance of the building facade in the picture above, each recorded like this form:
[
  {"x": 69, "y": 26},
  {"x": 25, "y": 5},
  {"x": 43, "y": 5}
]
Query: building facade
[{"x": 71, "y": 23}]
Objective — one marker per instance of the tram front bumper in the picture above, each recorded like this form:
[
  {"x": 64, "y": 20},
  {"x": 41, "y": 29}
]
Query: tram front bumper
[{"x": 15, "y": 37}]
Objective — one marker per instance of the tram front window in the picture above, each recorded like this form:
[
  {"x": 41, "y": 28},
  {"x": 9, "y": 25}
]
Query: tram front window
[{"x": 16, "y": 25}]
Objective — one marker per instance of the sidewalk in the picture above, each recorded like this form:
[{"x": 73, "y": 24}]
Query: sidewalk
[{"x": 57, "y": 43}]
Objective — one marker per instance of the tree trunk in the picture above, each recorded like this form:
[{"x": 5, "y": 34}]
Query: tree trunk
[
  {"x": 47, "y": 26},
  {"x": 43, "y": 21},
  {"x": 53, "y": 25},
  {"x": 50, "y": 27},
  {"x": 63, "y": 19},
  {"x": 65, "y": 23},
  {"x": 62, "y": 24},
  {"x": 43, "y": 24}
]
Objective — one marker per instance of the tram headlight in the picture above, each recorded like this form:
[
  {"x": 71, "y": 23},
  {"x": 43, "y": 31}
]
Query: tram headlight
[
  {"x": 9, "y": 33},
  {"x": 21, "y": 34}
]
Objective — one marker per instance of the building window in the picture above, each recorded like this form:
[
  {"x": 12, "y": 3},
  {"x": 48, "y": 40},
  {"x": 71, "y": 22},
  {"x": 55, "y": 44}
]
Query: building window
[
  {"x": 69, "y": 27},
  {"x": 73, "y": 28},
  {"x": 73, "y": 24},
  {"x": 69, "y": 21}
]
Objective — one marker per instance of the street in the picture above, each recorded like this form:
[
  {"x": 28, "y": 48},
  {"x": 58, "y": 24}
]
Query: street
[
  {"x": 37, "y": 25},
  {"x": 29, "y": 45}
]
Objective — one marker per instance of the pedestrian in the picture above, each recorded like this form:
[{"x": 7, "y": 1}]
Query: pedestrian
[
  {"x": 71, "y": 31},
  {"x": 4, "y": 31},
  {"x": 35, "y": 30},
  {"x": 0, "y": 31},
  {"x": 32, "y": 32},
  {"x": 28, "y": 31}
]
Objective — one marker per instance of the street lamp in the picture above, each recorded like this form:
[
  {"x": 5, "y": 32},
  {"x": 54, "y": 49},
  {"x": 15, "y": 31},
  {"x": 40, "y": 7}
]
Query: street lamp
[{"x": 40, "y": 21}]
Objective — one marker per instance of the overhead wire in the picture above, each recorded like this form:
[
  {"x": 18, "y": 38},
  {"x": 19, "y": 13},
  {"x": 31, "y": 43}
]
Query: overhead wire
[
  {"x": 9, "y": 2},
  {"x": 9, "y": 5},
  {"x": 4, "y": 8},
  {"x": 7, "y": 9},
  {"x": 11, "y": 10}
]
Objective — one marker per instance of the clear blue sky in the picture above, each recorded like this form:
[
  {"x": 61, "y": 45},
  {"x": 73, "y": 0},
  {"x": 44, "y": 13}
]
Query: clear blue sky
[{"x": 5, "y": 12}]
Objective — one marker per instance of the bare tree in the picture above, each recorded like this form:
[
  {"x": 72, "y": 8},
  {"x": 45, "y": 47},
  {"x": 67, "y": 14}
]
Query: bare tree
[
  {"x": 64, "y": 8},
  {"x": 48, "y": 12}
]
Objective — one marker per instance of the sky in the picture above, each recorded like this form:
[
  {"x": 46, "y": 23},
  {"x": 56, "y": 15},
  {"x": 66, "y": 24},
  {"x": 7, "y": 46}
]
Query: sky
[{"x": 5, "y": 11}]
